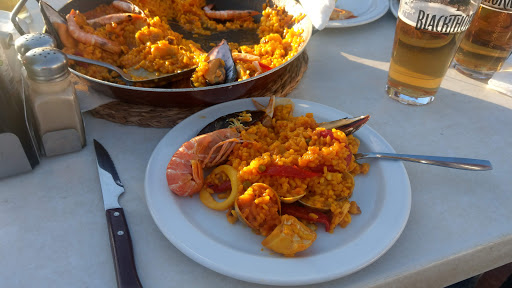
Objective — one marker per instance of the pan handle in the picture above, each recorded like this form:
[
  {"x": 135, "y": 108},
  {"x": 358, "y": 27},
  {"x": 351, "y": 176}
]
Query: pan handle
[{"x": 14, "y": 16}]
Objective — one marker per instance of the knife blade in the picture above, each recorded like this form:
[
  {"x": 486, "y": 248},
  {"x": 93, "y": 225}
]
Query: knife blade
[{"x": 120, "y": 240}]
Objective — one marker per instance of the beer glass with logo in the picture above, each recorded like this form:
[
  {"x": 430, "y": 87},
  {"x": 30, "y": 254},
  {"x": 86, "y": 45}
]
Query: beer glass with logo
[
  {"x": 428, "y": 33},
  {"x": 488, "y": 41}
]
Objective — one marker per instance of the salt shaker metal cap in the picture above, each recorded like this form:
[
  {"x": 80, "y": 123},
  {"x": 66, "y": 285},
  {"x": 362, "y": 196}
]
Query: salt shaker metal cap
[
  {"x": 28, "y": 42},
  {"x": 46, "y": 64}
]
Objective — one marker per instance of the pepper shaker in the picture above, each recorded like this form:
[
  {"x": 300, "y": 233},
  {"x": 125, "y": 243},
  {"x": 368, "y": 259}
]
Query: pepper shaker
[
  {"x": 18, "y": 151},
  {"x": 52, "y": 99}
]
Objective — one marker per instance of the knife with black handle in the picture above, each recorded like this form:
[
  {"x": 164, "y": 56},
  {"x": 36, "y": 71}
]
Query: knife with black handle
[{"x": 119, "y": 234}]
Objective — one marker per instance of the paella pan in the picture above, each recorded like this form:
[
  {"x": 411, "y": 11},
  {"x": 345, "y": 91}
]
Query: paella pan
[{"x": 184, "y": 93}]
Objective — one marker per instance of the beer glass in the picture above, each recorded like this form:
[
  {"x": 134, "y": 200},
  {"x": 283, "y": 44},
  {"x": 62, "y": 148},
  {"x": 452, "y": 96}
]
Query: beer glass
[
  {"x": 488, "y": 41},
  {"x": 428, "y": 33}
]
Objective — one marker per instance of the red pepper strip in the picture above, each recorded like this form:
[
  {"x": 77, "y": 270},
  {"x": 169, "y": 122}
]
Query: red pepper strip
[
  {"x": 264, "y": 67},
  {"x": 304, "y": 213},
  {"x": 289, "y": 171},
  {"x": 320, "y": 169},
  {"x": 327, "y": 133},
  {"x": 224, "y": 186}
]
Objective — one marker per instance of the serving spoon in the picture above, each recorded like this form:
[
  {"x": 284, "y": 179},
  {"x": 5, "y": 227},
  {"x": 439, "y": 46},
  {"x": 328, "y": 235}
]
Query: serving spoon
[{"x": 137, "y": 75}]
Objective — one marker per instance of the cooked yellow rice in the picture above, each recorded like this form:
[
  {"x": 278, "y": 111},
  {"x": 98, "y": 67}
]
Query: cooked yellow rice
[
  {"x": 298, "y": 141},
  {"x": 154, "y": 46}
]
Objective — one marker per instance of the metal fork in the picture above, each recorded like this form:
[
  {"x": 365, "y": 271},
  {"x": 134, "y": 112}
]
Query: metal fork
[{"x": 450, "y": 162}]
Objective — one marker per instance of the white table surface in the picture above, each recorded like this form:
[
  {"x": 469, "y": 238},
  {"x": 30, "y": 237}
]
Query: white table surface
[{"x": 53, "y": 231}]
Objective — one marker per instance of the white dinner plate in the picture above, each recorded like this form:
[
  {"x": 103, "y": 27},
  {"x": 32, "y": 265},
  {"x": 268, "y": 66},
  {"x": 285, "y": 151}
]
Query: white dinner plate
[
  {"x": 205, "y": 235},
  {"x": 366, "y": 11},
  {"x": 393, "y": 6}
]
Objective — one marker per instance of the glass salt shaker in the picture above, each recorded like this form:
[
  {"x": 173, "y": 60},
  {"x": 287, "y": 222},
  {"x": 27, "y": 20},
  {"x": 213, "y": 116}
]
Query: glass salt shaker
[
  {"x": 18, "y": 153},
  {"x": 22, "y": 45},
  {"x": 52, "y": 99}
]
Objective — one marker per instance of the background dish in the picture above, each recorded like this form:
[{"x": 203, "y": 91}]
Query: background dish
[
  {"x": 393, "y": 6},
  {"x": 366, "y": 11},
  {"x": 204, "y": 235},
  {"x": 180, "y": 94}
]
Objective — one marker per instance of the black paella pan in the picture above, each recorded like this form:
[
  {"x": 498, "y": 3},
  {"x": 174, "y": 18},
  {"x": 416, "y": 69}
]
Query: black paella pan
[{"x": 181, "y": 94}]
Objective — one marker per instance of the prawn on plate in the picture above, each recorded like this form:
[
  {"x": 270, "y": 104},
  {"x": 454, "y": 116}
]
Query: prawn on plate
[{"x": 185, "y": 169}]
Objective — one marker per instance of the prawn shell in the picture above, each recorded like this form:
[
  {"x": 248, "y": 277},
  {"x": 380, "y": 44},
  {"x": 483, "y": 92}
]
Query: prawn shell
[{"x": 225, "y": 121}]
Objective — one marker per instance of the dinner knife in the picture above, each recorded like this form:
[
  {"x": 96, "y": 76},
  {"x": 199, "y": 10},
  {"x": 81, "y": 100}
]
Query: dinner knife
[{"x": 120, "y": 240}]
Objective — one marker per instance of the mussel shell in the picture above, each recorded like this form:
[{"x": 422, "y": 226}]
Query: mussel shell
[
  {"x": 50, "y": 15},
  {"x": 223, "y": 52},
  {"x": 225, "y": 121},
  {"x": 347, "y": 125}
]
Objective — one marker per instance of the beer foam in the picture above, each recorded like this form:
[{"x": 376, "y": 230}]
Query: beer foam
[{"x": 434, "y": 17}]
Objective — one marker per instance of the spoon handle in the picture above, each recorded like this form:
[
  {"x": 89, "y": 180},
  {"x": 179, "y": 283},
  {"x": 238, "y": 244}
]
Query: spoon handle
[
  {"x": 100, "y": 63},
  {"x": 450, "y": 162}
]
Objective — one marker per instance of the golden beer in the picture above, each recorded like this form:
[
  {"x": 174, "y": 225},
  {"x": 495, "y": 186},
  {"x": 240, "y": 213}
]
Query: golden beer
[
  {"x": 425, "y": 43},
  {"x": 487, "y": 43}
]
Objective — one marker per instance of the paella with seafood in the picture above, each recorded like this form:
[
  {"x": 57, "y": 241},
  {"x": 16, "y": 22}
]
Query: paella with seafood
[
  {"x": 285, "y": 177},
  {"x": 137, "y": 34}
]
